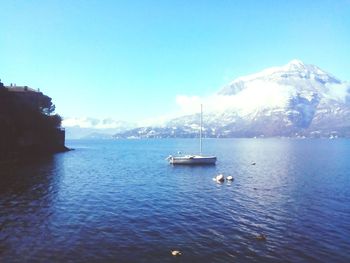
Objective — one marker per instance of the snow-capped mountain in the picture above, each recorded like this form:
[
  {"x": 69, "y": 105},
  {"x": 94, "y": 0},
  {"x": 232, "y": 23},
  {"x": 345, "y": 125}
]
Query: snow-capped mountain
[
  {"x": 296, "y": 99},
  {"x": 93, "y": 128}
]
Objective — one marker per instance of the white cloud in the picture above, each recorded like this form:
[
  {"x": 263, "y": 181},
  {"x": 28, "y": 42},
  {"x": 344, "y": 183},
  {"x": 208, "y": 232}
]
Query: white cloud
[
  {"x": 188, "y": 104},
  {"x": 255, "y": 95},
  {"x": 156, "y": 121},
  {"x": 86, "y": 122},
  {"x": 80, "y": 122}
]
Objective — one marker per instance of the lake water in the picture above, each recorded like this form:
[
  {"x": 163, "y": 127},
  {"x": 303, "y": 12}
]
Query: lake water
[{"x": 119, "y": 201}]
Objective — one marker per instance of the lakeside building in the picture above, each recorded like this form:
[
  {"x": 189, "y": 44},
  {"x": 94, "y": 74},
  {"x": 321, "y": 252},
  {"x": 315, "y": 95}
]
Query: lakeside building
[{"x": 31, "y": 96}]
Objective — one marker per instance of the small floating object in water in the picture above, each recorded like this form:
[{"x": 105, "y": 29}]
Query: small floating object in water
[
  {"x": 255, "y": 188},
  {"x": 219, "y": 178},
  {"x": 229, "y": 178},
  {"x": 261, "y": 237},
  {"x": 176, "y": 253},
  {"x": 253, "y": 163}
]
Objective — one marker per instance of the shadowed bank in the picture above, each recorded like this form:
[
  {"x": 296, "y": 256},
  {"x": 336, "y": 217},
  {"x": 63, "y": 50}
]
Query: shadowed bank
[{"x": 28, "y": 127}]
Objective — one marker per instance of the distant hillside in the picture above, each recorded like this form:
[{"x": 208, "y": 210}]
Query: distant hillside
[
  {"x": 293, "y": 100},
  {"x": 86, "y": 128},
  {"x": 28, "y": 125}
]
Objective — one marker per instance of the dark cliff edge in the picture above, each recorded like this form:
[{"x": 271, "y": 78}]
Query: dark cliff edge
[{"x": 28, "y": 125}]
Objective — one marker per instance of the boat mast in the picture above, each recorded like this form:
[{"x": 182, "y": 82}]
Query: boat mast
[{"x": 200, "y": 132}]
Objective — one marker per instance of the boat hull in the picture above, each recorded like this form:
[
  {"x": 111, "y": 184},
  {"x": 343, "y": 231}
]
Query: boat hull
[{"x": 192, "y": 160}]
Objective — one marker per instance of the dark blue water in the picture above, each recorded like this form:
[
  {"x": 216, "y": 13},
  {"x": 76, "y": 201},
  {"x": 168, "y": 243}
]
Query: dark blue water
[{"x": 119, "y": 201}]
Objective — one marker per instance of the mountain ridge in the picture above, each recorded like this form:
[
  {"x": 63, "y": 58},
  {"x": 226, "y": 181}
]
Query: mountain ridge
[{"x": 294, "y": 100}]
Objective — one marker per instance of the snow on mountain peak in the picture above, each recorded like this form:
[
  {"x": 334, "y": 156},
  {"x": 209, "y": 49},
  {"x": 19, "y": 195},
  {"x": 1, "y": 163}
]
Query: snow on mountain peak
[
  {"x": 296, "y": 62},
  {"x": 291, "y": 74},
  {"x": 297, "y": 65}
]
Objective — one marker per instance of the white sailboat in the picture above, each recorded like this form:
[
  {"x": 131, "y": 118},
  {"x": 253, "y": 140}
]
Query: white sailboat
[{"x": 196, "y": 159}]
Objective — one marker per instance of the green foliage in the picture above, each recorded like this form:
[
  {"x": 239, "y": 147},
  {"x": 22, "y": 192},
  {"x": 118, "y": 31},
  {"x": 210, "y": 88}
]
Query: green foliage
[{"x": 46, "y": 106}]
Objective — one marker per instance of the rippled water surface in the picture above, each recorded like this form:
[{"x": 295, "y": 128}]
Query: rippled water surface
[{"x": 119, "y": 201}]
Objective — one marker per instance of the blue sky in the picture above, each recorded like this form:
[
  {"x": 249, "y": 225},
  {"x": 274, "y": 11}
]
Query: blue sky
[{"x": 129, "y": 59}]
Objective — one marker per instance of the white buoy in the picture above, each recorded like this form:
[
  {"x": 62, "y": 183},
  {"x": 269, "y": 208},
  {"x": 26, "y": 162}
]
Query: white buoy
[
  {"x": 219, "y": 178},
  {"x": 176, "y": 253},
  {"x": 229, "y": 178}
]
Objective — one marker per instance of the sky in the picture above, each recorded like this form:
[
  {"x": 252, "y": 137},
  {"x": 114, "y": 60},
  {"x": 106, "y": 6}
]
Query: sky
[{"x": 132, "y": 60}]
